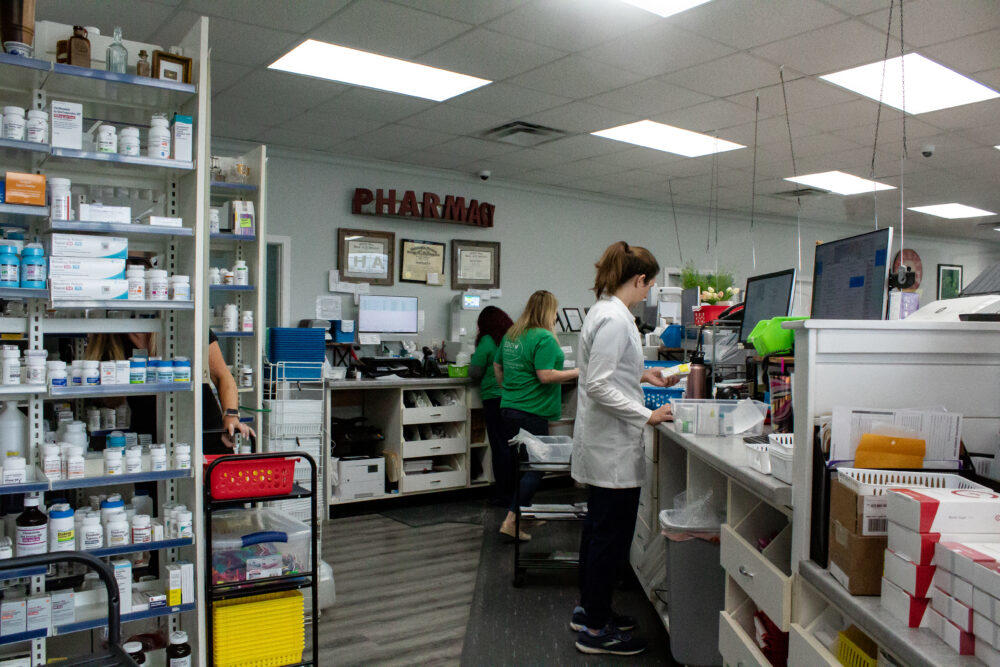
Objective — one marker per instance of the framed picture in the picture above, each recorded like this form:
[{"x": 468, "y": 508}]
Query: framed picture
[
  {"x": 949, "y": 283},
  {"x": 420, "y": 260},
  {"x": 574, "y": 320},
  {"x": 171, "y": 67},
  {"x": 475, "y": 264},
  {"x": 559, "y": 322},
  {"x": 365, "y": 256}
]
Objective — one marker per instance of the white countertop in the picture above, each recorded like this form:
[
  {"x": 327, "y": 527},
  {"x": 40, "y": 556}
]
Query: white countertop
[
  {"x": 396, "y": 383},
  {"x": 892, "y": 325},
  {"x": 728, "y": 455},
  {"x": 915, "y": 647}
]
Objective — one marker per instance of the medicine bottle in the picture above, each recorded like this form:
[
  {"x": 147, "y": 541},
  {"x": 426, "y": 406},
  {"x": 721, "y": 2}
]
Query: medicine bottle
[
  {"x": 165, "y": 372},
  {"x": 93, "y": 532},
  {"x": 60, "y": 199},
  {"x": 117, "y": 532},
  {"x": 57, "y": 373},
  {"x": 182, "y": 456},
  {"x": 134, "y": 649},
  {"x": 10, "y": 266},
  {"x": 123, "y": 416},
  {"x": 51, "y": 462},
  {"x": 246, "y": 376},
  {"x": 179, "y": 652},
  {"x": 13, "y": 123},
  {"x": 137, "y": 370},
  {"x": 91, "y": 373},
  {"x": 153, "y": 370},
  {"x": 158, "y": 458},
  {"x": 180, "y": 288},
  {"x": 76, "y": 372},
  {"x": 241, "y": 275},
  {"x": 182, "y": 369},
  {"x": 128, "y": 141},
  {"x": 159, "y": 137},
  {"x": 108, "y": 418},
  {"x": 111, "y": 505},
  {"x": 37, "y": 127},
  {"x": 107, "y": 139},
  {"x": 31, "y": 527},
  {"x": 79, "y": 47},
  {"x": 157, "y": 285},
  {"x": 62, "y": 528},
  {"x": 133, "y": 462},
  {"x": 246, "y": 322},
  {"x": 185, "y": 525},
  {"x": 136, "y": 276},
  {"x": 142, "y": 530},
  {"x": 122, "y": 370},
  {"x": 15, "y": 470},
  {"x": 230, "y": 317},
  {"x": 75, "y": 465},
  {"x": 11, "y": 366},
  {"x": 109, "y": 375},
  {"x": 142, "y": 66},
  {"x": 33, "y": 266},
  {"x": 113, "y": 461},
  {"x": 214, "y": 276}
]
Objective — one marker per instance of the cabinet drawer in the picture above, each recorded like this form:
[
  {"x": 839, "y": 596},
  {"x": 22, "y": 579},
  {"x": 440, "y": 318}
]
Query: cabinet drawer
[
  {"x": 805, "y": 650},
  {"x": 430, "y": 481},
  {"x": 736, "y": 646},
  {"x": 766, "y": 585},
  {"x": 421, "y": 448},
  {"x": 435, "y": 415}
]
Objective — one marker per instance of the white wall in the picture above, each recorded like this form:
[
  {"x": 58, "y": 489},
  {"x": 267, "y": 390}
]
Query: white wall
[{"x": 550, "y": 238}]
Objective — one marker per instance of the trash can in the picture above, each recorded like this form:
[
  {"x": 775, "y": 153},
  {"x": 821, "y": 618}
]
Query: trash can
[{"x": 696, "y": 590}]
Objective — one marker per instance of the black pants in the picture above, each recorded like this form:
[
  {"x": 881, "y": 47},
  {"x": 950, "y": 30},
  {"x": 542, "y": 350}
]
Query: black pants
[
  {"x": 515, "y": 420},
  {"x": 604, "y": 547},
  {"x": 496, "y": 431}
]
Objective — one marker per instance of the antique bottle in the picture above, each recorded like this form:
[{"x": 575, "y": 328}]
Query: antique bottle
[
  {"x": 116, "y": 59},
  {"x": 79, "y": 47},
  {"x": 142, "y": 67}
]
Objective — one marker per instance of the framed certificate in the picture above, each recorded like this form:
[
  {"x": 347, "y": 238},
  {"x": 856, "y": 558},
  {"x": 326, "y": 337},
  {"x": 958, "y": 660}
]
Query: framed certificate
[
  {"x": 574, "y": 320},
  {"x": 419, "y": 260},
  {"x": 365, "y": 256},
  {"x": 475, "y": 265}
]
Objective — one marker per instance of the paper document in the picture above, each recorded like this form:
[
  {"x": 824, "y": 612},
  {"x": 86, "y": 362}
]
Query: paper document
[
  {"x": 940, "y": 430},
  {"x": 328, "y": 308}
]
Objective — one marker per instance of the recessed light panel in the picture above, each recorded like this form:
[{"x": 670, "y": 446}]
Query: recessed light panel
[
  {"x": 360, "y": 68},
  {"x": 667, "y": 138},
  {"x": 952, "y": 211},
  {"x": 929, "y": 86},
  {"x": 840, "y": 183},
  {"x": 665, "y": 7}
]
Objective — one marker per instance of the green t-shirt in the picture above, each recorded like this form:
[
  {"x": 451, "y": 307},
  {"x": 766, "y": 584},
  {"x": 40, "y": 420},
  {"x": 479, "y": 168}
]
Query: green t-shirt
[
  {"x": 485, "y": 352},
  {"x": 536, "y": 349}
]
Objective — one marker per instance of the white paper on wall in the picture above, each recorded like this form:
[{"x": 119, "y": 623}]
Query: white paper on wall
[
  {"x": 328, "y": 308},
  {"x": 334, "y": 280}
]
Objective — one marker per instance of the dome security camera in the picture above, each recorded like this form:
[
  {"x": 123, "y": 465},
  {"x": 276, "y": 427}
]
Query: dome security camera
[
  {"x": 927, "y": 150},
  {"x": 485, "y": 174}
]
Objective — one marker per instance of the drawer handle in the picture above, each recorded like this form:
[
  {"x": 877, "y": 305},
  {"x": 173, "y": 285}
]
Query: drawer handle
[
  {"x": 436, "y": 415},
  {"x": 436, "y": 481},
  {"x": 745, "y": 572},
  {"x": 438, "y": 447}
]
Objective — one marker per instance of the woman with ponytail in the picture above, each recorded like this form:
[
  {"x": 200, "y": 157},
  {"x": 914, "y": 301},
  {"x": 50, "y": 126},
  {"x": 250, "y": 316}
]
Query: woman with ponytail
[
  {"x": 529, "y": 369},
  {"x": 608, "y": 451}
]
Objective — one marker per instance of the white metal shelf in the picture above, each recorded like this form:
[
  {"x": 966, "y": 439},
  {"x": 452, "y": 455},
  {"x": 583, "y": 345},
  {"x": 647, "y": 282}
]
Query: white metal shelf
[
  {"x": 232, "y": 288},
  {"x": 20, "y": 215},
  {"x": 23, "y": 293},
  {"x": 228, "y": 236},
  {"x": 122, "y": 160},
  {"x": 120, "y": 304},
  {"x": 115, "y": 228},
  {"x": 96, "y": 391},
  {"x": 236, "y": 187}
]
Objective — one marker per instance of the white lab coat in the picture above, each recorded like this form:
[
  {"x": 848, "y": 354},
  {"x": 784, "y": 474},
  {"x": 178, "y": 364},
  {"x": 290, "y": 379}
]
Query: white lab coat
[{"x": 610, "y": 410}]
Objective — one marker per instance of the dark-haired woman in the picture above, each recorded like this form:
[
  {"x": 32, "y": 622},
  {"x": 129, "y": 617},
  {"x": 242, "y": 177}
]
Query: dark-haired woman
[
  {"x": 608, "y": 442},
  {"x": 493, "y": 324}
]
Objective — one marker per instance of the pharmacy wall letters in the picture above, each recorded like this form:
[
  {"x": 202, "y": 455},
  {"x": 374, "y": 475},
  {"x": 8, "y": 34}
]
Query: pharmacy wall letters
[{"x": 393, "y": 203}]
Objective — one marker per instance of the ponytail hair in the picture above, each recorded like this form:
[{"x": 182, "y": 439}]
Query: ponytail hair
[{"x": 619, "y": 264}]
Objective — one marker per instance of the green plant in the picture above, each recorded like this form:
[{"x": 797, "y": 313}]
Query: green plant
[{"x": 719, "y": 282}]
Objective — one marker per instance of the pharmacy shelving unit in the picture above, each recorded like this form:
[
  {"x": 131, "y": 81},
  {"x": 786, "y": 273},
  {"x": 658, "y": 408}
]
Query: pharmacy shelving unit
[
  {"x": 226, "y": 248},
  {"x": 179, "y": 189}
]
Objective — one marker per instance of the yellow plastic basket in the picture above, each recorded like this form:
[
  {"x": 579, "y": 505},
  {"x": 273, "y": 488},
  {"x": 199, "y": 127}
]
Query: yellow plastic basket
[
  {"x": 259, "y": 631},
  {"x": 850, "y": 654}
]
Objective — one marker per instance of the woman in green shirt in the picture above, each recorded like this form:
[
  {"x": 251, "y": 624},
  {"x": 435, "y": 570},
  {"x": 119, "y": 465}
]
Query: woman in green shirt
[
  {"x": 493, "y": 323},
  {"x": 529, "y": 368}
]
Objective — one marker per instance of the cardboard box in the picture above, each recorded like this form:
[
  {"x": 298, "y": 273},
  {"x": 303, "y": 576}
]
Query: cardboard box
[
  {"x": 187, "y": 581},
  {"x": 963, "y": 643},
  {"x": 989, "y": 655},
  {"x": 903, "y": 606},
  {"x": 164, "y": 221},
  {"x": 139, "y": 602},
  {"x": 919, "y": 547},
  {"x": 88, "y": 245},
  {"x": 862, "y": 515},
  {"x": 912, "y": 578},
  {"x": 39, "y": 612},
  {"x": 86, "y": 268},
  {"x": 856, "y": 561},
  {"x": 13, "y": 616},
  {"x": 102, "y": 213},
  {"x": 174, "y": 590},
  {"x": 942, "y": 580},
  {"x": 123, "y": 576},
  {"x": 18, "y": 661},
  {"x": 182, "y": 129},
  {"x": 940, "y": 602},
  {"x": 961, "y": 615},
  {"x": 63, "y": 611},
  {"x": 983, "y": 603},
  {"x": 967, "y": 558},
  {"x": 945, "y": 510},
  {"x": 961, "y": 590},
  {"x": 24, "y": 189},
  {"x": 69, "y": 289},
  {"x": 984, "y": 628},
  {"x": 156, "y": 600},
  {"x": 66, "y": 125},
  {"x": 987, "y": 578}
]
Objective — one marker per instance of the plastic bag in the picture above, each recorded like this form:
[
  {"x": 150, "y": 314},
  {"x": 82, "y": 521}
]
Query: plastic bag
[
  {"x": 545, "y": 448},
  {"x": 696, "y": 516}
]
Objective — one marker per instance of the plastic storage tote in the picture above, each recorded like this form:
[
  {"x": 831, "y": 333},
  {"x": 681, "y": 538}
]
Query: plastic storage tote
[
  {"x": 705, "y": 416},
  {"x": 696, "y": 593},
  {"x": 656, "y": 396},
  {"x": 258, "y": 543}
]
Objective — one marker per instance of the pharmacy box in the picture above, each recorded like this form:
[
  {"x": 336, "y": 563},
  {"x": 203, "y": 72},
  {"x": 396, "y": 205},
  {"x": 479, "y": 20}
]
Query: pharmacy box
[
  {"x": 919, "y": 547},
  {"x": 257, "y": 543},
  {"x": 86, "y": 268},
  {"x": 718, "y": 417},
  {"x": 963, "y": 643},
  {"x": 912, "y": 578},
  {"x": 903, "y": 606},
  {"x": 85, "y": 288},
  {"x": 103, "y": 213},
  {"x": 87, "y": 245},
  {"x": 945, "y": 510}
]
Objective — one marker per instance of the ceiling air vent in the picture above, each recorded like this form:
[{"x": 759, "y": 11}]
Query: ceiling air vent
[
  {"x": 523, "y": 134},
  {"x": 800, "y": 192}
]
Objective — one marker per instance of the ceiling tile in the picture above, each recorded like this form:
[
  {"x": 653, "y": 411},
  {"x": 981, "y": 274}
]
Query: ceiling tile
[
  {"x": 572, "y": 25},
  {"x": 228, "y": 106},
  {"x": 968, "y": 115},
  {"x": 747, "y": 24},
  {"x": 591, "y": 166},
  {"x": 490, "y": 55},
  {"x": 547, "y": 177},
  {"x": 858, "y": 7},
  {"x": 829, "y": 49},
  {"x": 529, "y": 158},
  {"x": 231, "y": 41},
  {"x": 435, "y": 159},
  {"x": 932, "y": 21},
  {"x": 575, "y": 77},
  {"x": 473, "y": 149},
  {"x": 467, "y": 11},
  {"x": 984, "y": 136},
  {"x": 769, "y": 131},
  {"x": 138, "y": 19},
  {"x": 302, "y": 92},
  {"x": 584, "y": 145},
  {"x": 638, "y": 158},
  {"x": 969, "y": 54},
  {"x": 707, "y": 117},
  {"x": 295, "y": 137},
  {"x": 304, "y": 15},
  {"x": 648, "y": 98},
  {"x": 369, "y": 150},
  {"x": 338, "y": 128},
  {"x": 803, "y": 94},
  {"x": 507, "y": 100},
  {"x": 373, "y": 105},
  {"x": 634, "y": 177},
  {"x": 447, "y": 118},
  {"x": 581, "y": 117},
  {"x": 226, "y": 74},
  {"x": 864, "y": 134},
  {"x": 403, "y": 137},
  {"x": 657, "y": 49},
  {"x": 989, "y": 78},
  {"x": 848, "y": 114},
  {"x": 389, "y": 29},
  {"x": 236, "y": 127},
  {"x": 814, "y": 144},
  {"x": 726, "y": 76}
]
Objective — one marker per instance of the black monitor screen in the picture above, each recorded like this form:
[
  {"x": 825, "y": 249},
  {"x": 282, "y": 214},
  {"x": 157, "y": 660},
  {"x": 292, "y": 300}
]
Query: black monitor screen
[
  {"x": 767, "y": 296},
  {"x": 850, "y": 277}
]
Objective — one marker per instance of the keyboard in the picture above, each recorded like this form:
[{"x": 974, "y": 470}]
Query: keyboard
[{"x": 755, "y": 439}]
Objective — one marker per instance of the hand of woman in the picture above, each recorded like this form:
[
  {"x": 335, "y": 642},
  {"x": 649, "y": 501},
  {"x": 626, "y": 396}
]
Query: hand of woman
[
  {"x": 231, "y": 425},
  {"x": 660, "y": 415},
  {"x": 654, "y": 377}
]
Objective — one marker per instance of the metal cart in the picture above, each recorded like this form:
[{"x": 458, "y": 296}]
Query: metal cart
[
  {"x": 557, "y": 512},
  {"x": 297, "y": 581},
  {"x": 111, "y": 656}
]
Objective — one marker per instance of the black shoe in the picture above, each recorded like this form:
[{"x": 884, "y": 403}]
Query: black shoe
[
  {"x": 619, "y": 621},
  {"x": 610, "y": 641}
]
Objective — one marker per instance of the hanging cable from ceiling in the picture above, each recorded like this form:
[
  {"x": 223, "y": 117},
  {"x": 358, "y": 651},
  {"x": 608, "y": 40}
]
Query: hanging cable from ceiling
[
  {"x": 677, "y": 229},
  {"x": 791, "y": 149},
  {"x": 881, "y": 94},
  {"x": 902, "y": 158},
  {"x": 753, "y": 184}
]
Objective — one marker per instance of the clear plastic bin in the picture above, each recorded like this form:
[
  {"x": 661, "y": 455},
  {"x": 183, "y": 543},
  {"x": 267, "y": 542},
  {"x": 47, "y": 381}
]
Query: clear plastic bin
[
  {"x": 258, "y": 543},
  {"x": 548, "y": 448},
  {"x": 706, "y": 416}
]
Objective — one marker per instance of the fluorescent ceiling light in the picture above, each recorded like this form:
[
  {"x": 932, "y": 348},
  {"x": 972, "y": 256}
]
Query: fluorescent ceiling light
[
  {"x": 997, "y": 147},
  {"x": 667, "y": 138},
  {"x": 840, "y": 183},
  {"x": 360, "y": 68},
  {"x": 929, "y": 86},
  {"x": 665, "y": 7},
  {"x": 952, "y": 211}
]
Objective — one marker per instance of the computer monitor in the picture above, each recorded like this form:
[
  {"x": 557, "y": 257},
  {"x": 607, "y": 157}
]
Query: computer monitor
[
  {"x": 850, "y": 277},
  {"x": 768, "y": 295},
  {"x": 387, "y": 314}
]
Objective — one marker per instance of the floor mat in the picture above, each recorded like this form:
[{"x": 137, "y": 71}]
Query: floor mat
[{"x": 429, "y": 515}]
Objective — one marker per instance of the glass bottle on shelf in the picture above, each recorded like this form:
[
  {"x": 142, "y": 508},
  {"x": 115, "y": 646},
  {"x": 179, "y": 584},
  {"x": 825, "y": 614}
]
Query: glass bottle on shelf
[
  {"x": 79, "y": 47},
  {"x": 142, "y": 67},
  {"x": 116, "y": 59}
]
